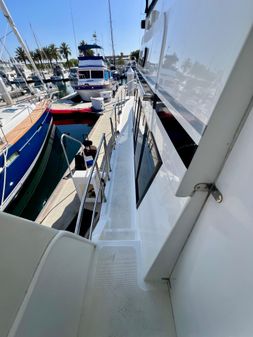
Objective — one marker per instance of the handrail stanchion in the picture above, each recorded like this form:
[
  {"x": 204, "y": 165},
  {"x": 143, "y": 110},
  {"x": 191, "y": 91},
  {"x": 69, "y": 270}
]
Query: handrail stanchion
[
  {"x": 100, "y": 180},
  {"x": 83, "y": 199},
  {"x": 115, "y": 118},
  {"x": 108, "y": 167},
  {"x": 113, "y": 133}
]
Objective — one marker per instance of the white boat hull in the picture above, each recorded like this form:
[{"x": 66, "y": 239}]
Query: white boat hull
[{"x": 86, "y": 94}]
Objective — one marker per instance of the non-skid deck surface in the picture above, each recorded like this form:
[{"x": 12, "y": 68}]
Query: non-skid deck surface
[
  {"x": 116, "y": 305},
  {"x": 15, "y": 134}
]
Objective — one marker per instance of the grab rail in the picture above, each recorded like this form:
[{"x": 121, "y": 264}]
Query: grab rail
[
  {"x": 64, "y": 135},
  {"x": 102, "y": 181}
]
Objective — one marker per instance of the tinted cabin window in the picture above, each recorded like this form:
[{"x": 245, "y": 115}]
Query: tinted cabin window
[
  {"x": 97, "y": 74},
  {"x": 83, "y": 74},
  {"x": 183, "y": 143},
  {"x": 146, "y": 157}
]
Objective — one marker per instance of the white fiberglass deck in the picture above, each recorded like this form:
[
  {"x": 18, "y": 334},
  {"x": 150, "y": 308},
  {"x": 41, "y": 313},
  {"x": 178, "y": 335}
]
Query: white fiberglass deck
[
  {"x": 118, "y": 305},
  {"x": 118, "y": 213},
  {"x": 118, "y": 302}
]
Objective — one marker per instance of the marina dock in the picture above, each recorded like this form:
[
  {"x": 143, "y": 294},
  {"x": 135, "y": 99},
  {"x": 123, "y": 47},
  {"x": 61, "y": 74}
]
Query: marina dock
[{"x": 63, "y": 205}]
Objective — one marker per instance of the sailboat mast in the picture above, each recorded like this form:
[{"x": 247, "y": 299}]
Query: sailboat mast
[
  {"x": 110, "y": 16},
  {"x": 16, "y": 32}
]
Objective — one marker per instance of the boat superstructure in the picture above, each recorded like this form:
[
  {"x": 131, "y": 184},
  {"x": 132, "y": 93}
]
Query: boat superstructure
[
  {"x": 93, "y": 74},
  {"x": 163, "y": 240}
]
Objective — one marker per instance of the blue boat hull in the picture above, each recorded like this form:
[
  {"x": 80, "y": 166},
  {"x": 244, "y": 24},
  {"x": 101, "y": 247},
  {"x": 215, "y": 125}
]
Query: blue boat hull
[{"x": 26, "y": 150}]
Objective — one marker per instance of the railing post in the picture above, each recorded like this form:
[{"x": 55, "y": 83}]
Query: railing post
[
  {"x": 100, "y": 181},
  {"x": 112, "y": 131},
  {"x": 108, "y": 167},
  {"x": 100, "y": 192},
  {"x": 115, "y": 118}
]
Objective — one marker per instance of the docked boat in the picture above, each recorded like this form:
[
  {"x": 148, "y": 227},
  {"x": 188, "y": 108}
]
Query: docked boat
[
  {"x": 24, "y": 126},
  {"x": 59, "y": 73},
  {"x": 163, "y": 242},
  {"x": 7, "y": 72},
  {"x": 73, "y": 73},
  {"x": 93, "y": 74},
  {"x": 24, "y": 130}
]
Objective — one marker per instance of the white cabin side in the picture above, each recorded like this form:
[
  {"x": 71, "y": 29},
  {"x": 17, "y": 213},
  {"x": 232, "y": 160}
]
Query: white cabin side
[{"x": 204, "y": 76}]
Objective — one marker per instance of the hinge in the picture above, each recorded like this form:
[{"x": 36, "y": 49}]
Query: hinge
[{"x": 211, "y": 188}]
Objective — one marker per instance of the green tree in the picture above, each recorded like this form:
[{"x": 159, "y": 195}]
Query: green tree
[
  {"x": 120, "y": 60},
  {"x": 65, "y": 51},
  {"x": 73, "y": 62},
  {"x": 47, "y": 55},
  {"x": 39, "y": 57},
  {"x": 134, "y": 55},
  {"x": 54, "y": 52},
  {"x": 20, "y": 55},
  {"x": 88, "y": 52}
]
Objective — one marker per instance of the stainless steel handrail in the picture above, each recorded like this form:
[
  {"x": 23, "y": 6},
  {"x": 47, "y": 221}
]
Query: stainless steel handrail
[{"x": 84, "y": 196}]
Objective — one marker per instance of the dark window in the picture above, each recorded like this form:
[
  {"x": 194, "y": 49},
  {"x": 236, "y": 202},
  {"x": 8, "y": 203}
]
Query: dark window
[
  {"x": 97, "y": 74},
  {"x": 182, "y": 142},
  {"x": 146, "y": 156},
  {"x": 83, "y": 74}
]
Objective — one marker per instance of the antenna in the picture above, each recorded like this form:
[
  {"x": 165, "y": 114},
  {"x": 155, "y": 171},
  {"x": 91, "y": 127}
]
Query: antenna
[
  {"x": 110, "y": 15},
  {"x": 94, "y": 35},
  {"x": 73, "y": 27}
]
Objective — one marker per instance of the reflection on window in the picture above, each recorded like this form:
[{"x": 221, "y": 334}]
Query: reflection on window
[
  {"x": 97, "y": 74},
  {"x": 84, "y": 74},
  {"x": 146, "y": 155}
]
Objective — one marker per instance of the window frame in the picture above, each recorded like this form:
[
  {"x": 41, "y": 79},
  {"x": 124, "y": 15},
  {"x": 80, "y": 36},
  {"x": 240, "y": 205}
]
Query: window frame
[{"x": 146, "y": 135}]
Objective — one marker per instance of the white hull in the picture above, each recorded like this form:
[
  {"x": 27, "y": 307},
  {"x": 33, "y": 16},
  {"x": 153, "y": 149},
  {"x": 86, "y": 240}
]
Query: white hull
[{"x": 86, "y": 95}]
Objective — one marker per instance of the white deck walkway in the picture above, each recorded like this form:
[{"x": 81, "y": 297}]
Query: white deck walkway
[
  {"x": 117, "y": 305},
  {"x": 121, "y": 190},
  {"x": 118, "y": 302}
]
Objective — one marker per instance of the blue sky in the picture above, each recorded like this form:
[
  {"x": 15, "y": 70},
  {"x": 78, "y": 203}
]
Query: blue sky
[{"x": 51, "y": 22}]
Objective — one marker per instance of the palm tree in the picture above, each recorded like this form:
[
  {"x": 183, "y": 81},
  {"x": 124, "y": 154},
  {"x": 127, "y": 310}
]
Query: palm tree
[
  {"x": 34, "y": 56},
  {"x": 65, "y": 51},
  {"x": 46, "y": 52},
  {"x": 54, "y": 51},
  {"x": 20, "y": 55},
  {"x": 88, "y": 52},
  {"x": 38, "y": 57}
]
